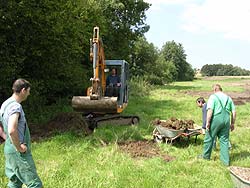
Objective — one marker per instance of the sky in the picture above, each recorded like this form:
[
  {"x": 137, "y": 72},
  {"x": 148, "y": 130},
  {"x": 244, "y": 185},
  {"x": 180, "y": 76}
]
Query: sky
[{"x": 211, "y": 31}]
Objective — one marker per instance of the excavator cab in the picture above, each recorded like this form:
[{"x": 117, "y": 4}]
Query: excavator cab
[
  {"x": 106, "y": 104},
  {"x": 123, "y": 73}
]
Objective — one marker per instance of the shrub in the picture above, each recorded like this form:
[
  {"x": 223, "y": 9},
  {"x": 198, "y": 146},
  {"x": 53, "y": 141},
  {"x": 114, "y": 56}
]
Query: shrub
[{"x": 139, "y": 87}]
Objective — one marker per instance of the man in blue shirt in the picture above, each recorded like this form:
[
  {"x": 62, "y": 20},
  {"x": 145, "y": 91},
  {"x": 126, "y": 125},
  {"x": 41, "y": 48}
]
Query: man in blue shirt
[
  {"x": 113, "y": 83},
  {"x": 202, "y": 104}
]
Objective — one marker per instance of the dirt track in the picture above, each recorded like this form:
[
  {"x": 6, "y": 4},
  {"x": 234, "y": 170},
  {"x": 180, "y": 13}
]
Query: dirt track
[{"x": 239, "y": 98}]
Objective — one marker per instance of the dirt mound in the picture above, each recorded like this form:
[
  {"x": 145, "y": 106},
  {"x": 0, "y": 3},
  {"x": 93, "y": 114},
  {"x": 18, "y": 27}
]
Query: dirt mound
[
  {"x": 63, "y": 122},
  {"x": 147, "y": 149}
]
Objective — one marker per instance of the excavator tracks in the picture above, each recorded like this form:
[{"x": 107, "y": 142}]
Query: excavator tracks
[{"x": 95, "y": 121}]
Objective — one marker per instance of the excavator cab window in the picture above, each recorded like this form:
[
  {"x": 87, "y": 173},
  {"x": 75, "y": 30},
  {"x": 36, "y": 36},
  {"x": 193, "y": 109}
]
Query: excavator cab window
[{"x": 113, "y": 82}]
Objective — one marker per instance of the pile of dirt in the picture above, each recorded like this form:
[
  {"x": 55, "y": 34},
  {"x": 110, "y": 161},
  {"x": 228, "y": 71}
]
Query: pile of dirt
[
  {"x": 63, "y": 122},
  {"x": 147, "y": 149},
  {"x": 174, "y": 123}
]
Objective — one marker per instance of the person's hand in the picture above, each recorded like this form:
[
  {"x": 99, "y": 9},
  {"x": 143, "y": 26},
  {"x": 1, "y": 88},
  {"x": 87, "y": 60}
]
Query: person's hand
[
  {"x": 118, "y": 84},
  {"x": 207, "y": 126},
  {"x": 232, "y": 127},
  {"x": 23, "y": 148}
]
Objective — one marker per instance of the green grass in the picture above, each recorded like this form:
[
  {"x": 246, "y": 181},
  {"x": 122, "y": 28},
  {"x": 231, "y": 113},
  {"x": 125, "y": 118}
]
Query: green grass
[{"x": 71, "y": 160}]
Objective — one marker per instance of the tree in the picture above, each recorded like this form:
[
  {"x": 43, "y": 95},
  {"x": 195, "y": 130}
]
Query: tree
[
  {"x": 175, "y": 53},
  {"x": 148, "y": 63},
  {"x": 143, "y": 58},
  {"x": 163, "y": 72},
  {"x": 41, "y": 41},
  {"x": 125, "y": 22}
]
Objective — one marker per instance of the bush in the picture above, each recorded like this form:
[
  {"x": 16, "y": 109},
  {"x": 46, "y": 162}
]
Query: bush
[
  {"x": 139, "y": 87},
  {"x": 155, "y": 80}
]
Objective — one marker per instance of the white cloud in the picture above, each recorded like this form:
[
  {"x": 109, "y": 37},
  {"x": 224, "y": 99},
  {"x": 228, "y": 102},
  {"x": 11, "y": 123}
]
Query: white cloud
[
  {"x": 156, "y": 5},
  {"x": 167, "y": 2},
  {"x": 229, "y": 17}
]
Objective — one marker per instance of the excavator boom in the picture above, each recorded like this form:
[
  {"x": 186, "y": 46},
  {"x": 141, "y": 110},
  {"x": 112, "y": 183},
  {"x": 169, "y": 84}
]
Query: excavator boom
[{"x": 95, "y": 102}]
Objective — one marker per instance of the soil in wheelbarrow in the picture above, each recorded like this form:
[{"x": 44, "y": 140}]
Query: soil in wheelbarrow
[{"x": 145, "y": 149}]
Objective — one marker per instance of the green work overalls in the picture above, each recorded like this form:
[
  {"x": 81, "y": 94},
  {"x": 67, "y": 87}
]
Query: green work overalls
[
  {"x": 19, "y": 167},
  {"x": 219, "y": 126}
]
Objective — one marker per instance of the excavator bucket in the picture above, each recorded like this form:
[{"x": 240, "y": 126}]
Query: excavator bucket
[{"x": 85, "y": 105}]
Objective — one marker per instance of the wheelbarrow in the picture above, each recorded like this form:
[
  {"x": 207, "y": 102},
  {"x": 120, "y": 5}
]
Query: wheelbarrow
[
  {"x": 161, "y": 133},
  {"x": 166, "y": 134},
  {"x": 192, "y": 132}
]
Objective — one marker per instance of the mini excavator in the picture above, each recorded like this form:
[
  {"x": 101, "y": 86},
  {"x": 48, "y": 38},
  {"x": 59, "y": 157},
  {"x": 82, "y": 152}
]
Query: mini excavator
[{"x": 96, "y": 107}]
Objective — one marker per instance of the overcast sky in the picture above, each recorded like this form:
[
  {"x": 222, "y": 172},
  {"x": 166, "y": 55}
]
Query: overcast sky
[{"x": 211, "y": 31}]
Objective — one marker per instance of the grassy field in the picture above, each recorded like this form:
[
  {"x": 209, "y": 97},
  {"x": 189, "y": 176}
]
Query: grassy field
[{"x": 76, "y": 161}]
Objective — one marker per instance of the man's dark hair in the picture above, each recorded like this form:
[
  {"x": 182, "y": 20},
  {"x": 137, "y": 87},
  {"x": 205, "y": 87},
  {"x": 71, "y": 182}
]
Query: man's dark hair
[
  {"x": 115, "y": 69},
  {"x": 19, "y": 84},
  {"x": 217, "y": 87},
  {"x": 201, "y": 99}
]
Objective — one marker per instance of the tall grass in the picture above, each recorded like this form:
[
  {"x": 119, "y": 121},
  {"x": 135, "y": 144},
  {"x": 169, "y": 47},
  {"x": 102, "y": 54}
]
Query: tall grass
[{"x": 74, "y": 161}]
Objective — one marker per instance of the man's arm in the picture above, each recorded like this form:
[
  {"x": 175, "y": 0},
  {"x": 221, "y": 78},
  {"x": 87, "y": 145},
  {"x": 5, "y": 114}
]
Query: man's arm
[
  {"x": 233, "y": 118},
  {"x": 209, "y": 117},
  {"x": 2, "y": 134},
  {"x": 13, "y": 132},
  {"x": 118, "y": 81}
]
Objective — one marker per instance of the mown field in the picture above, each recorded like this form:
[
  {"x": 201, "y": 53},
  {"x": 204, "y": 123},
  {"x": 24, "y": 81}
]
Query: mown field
[{"x": 73, "y": 160}]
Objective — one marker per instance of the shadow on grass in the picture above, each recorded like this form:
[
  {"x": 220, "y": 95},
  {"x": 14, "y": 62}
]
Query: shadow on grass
[
  {"x": 240, "y": 155},
  {"x": 184, "y": 142},
  {"x": 177, "y": 87}
]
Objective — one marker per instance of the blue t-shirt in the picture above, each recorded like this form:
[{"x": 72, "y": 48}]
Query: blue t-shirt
[
  {"x": 204, "y": 115},
  {"x": 113, "y": 79}
]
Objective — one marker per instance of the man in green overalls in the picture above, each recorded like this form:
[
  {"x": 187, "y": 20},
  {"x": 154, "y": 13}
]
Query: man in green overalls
[
  {"x": 219, "y": 109},
  {"x": 19, "y": 165}
]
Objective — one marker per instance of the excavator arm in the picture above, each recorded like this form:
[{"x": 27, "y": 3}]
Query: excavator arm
[
  {"x": 95, "y": 102},
  {"x": 97, "y": 58}
]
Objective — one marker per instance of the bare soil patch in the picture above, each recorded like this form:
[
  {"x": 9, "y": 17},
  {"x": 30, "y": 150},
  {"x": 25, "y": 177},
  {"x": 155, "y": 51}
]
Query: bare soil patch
[
  {"x": 146, "y": 149},
  {"x": 63, "y": 122}
]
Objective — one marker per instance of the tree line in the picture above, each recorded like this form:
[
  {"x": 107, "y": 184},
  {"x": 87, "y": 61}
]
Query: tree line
[
  {"x": 223, "y": 70},
  {"x": 47, "y": 43}
]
